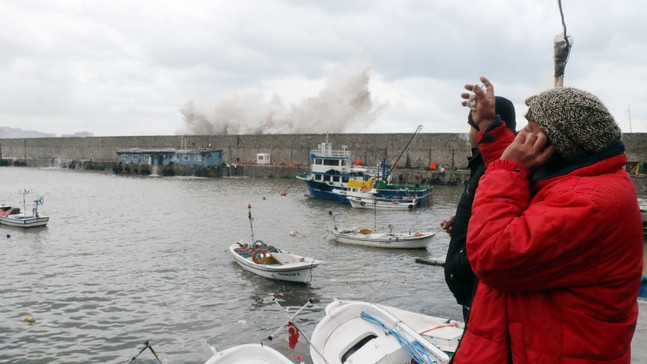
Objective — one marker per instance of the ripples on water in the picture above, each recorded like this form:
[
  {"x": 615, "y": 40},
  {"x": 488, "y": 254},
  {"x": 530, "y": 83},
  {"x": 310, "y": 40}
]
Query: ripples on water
[{"x": 129, "y": 259}]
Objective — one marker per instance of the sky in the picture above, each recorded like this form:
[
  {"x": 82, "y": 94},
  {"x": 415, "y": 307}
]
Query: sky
[{"x": 156, "y": 67}]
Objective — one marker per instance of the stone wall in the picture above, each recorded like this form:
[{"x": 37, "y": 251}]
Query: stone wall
[{"x": 446, "y": 149}]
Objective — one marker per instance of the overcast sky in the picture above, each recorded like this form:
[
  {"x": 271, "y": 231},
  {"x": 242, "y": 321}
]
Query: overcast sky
[{"x": 140, "y": 67}]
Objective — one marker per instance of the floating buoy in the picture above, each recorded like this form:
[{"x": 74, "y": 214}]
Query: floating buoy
[
  {"x": 30, "y": 319},
  {"x": 284, "y": 193},
  {"x": 293, "y": 233}
]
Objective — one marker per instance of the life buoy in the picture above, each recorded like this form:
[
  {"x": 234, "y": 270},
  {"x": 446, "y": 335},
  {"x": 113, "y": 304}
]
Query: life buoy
[{"x": 259, "y": 255}]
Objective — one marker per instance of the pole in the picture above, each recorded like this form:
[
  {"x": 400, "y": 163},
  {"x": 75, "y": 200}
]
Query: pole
[
  {"x": 406, "y": 148},
  {"x": 304, "y": 335},
  {"x": 249, "y": 215},
  {"x": 309, "y": 303},
  {"x": 562, "y": 48}
]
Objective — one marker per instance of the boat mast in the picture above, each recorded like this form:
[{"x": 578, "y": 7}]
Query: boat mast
[
  {"x": 249, "y": 215},
  {"x": 406, "y": 148},
  {"x": 24, "y": 203}
]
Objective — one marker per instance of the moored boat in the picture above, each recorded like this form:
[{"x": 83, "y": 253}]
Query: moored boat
[
  {"x": 383, "y": 203},
  {"x": 14, "y": 217},
  {"x": 333, "y": 173},
  {"x": 248, "y": 354},
  {"x": 364, "y": 194},
  {"x": 401, "y": 240},
  {"x": 332, "y": 169},
  {"x": 368, "y": 333},
  {"x": 270, "y": 262}
]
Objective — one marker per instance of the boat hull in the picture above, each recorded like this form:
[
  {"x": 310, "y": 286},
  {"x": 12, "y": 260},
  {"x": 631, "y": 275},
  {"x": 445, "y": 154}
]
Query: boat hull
[
  {"x": 384, "y": 240},
  {"x": 324, "y": 191},
  {"x": 249, "y": 354},
  {"x": 382, "y": 204},
  {"x": 345, "y": 335},
  {"x": 24, "y": 221},
  {"x": 299, "y": 271}
]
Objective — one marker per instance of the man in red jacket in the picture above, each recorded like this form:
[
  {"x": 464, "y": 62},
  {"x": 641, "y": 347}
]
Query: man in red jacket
[{"x": 555, "y": 236}]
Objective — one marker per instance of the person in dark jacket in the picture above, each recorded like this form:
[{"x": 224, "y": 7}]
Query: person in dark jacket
[{"x": 458, "y": 273}]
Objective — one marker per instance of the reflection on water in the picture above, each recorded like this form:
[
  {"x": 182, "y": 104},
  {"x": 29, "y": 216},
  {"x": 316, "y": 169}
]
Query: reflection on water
[{"x": 129, "y": 259}]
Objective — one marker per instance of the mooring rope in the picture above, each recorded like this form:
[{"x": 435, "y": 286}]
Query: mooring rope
[{"x": 415, "y": 350}]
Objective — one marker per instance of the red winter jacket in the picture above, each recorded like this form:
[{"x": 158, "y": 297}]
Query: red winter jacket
[{"x": 559, "y": 264}]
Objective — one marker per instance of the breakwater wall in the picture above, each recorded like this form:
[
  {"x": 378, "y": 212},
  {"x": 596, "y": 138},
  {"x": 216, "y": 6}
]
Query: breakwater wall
[{"x": 289, "y": 152}]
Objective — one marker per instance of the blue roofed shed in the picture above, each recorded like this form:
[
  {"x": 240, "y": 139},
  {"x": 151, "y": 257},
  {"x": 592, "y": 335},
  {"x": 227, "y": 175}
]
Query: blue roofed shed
[{"x": 171, "y": 156}]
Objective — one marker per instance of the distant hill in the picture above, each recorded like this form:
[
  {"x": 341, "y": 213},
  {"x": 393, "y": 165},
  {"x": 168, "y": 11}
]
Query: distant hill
[{"x": 16, "y": 133}]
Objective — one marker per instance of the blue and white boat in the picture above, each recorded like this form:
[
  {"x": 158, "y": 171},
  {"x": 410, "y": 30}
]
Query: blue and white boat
[
  {"x": 332, "y": 169},
  {"x": 14, "y": 217},
  {"x": 333, "y": 173}
]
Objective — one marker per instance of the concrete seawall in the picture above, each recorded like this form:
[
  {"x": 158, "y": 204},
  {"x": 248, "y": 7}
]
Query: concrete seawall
[{"x": 289, "y": 152}]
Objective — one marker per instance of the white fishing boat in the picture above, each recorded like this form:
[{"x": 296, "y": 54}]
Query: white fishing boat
[
  {"x": 372, "y": 238},
  {"x": 367, "y": 237},
  {"x": 21, "y": 219},
  {"x": 396, "y": 203},
  {"x": 270, "y": 262},
  {"x": 366, "y": 195},
  {"x": 248, "y": 354},
  {"x": 355, "y": 332}
]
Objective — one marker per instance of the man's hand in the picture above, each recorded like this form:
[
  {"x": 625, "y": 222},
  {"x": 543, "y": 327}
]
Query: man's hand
[
  {"x": 448, "y": 225},
  {"x": 481, "y": 101}
]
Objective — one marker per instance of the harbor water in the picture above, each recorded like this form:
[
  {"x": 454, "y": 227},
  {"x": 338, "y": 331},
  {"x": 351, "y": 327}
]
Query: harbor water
[{"x": 127, "y": 259}]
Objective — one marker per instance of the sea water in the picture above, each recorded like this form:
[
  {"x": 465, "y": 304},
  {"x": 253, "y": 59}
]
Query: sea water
[{"x": 128, "y": 259}]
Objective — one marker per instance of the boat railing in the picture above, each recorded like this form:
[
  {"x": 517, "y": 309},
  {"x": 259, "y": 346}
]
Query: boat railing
[{"x": 330, "y": 153}]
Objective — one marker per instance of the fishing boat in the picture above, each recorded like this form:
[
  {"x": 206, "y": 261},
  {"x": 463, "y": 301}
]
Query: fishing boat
[
  {"x": 383, "y": 203},
  {"x": 371, "y": 238},
  {"x": 332, "y": 169},
  {"x": 248, "y": 354},
  {"x": 366, "y": 237},
  {"x": 10, "y": 217},
  {"x": 270, "y": 262},
  {"x": 364, "y": 195},
  {"x": 333, "y": 173},
  {"x": 354, "y": 332}
]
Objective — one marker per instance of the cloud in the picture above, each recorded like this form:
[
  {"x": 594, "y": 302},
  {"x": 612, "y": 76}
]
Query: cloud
[{"x": 127, "y": 68}]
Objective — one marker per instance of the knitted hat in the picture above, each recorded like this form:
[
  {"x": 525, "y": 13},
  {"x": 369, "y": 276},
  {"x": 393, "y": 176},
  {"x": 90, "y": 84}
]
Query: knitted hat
[
  {"x": 575, "y": 122},
  {"x": 504, "y": 108}
]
